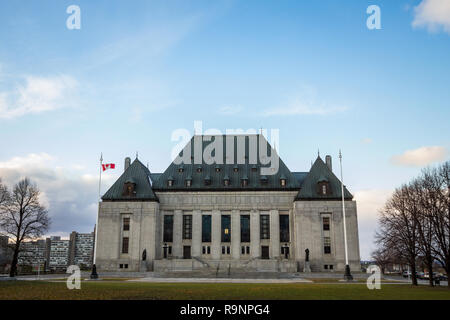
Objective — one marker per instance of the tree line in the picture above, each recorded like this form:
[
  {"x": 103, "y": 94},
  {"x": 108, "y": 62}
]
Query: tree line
[
  {"x": 415, "y": 223},
  {"x": 22, "y": 216}
]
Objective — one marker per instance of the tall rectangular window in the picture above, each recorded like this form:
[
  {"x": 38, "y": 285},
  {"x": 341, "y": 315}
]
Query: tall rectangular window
[
  {"x": 187, "y": 226},
  {"x": 245, "y": 228},
  {"x": 125, "y": 241},
  {"x": 168, "y": 228},
  {"x": 326, "y": 245},
  {"x": 284, "y": 228},
  {"x": 126, "y": 224},
  {"x": 226, "y": 228},
  {"x": 264, "y": 223},
  {"x": 206, "y": 228},
  {"x": 326, "y": 223}
]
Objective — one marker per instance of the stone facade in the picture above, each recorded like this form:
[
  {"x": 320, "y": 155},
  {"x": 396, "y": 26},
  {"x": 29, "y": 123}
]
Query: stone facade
[{"x": 128, "y": 227}]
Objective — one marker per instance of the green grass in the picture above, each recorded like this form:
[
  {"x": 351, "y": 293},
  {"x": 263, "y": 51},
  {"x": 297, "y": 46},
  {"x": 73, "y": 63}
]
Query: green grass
[{"x": 211, "y": 291}]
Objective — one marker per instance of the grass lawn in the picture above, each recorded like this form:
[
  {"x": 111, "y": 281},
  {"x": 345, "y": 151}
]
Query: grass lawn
[{"x": 211, "y": 291}]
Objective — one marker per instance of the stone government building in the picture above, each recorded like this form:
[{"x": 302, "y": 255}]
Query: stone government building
[{"x": 226, "y": 216}]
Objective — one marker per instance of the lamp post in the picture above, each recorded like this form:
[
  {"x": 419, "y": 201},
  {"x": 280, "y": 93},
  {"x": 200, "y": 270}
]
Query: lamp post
[{"x": 347, "y": 275}]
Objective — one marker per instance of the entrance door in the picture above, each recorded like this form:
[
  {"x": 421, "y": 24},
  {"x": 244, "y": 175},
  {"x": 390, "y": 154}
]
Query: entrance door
[
  {"x": 186, "y": 252},
  {"x": 264, "y": 252}
]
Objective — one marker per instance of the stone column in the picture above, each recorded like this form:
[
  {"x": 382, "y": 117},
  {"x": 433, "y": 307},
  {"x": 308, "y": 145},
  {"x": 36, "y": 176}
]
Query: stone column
[
  {"x": 215, "y": 234},
  {"x": 196, "y": 233},
  {"x": 255, "y": 247},
  {"x": 177, "y": 250},
  {"x": 235, "y": 234},
  {"x": 275, "y": 234}
]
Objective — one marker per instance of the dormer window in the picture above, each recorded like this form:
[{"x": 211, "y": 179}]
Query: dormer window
[
  {"x": 323, "y": 187},
  {"x": 244, "y": 182},
  {"x": 236, "y": 169},
  {"x": 217, "y": 169},
  {"x": 188, "y": 182},
  {"x": 207, "y": 181},
  {"x": 181, "y": 169},
  {"x": 199, "y": 169},
  {"x": 283, "y": 182},
  {"x": 170, "y": 182},
  {"x": 226, "y": 181},
  {"x": 129, "y": 189},
  {"x": 254, "y": 169}
]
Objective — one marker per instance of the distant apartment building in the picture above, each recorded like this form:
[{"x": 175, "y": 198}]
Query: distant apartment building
[
  {"x": 5, "y": 254},
  {"x": 33, "y": 253},
  {"x": 59, "y": 254},
  {"x": 56, "y": 254},
  {"x": 81, "y": 249}
]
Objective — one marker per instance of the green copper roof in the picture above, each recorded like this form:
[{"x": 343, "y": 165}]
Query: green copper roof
[
  {"x": 138, "y": 174},
  {"x": 211, "y": 177},
  {"x": 216, "y": 173},
  {"x": 321, "y": 173}
]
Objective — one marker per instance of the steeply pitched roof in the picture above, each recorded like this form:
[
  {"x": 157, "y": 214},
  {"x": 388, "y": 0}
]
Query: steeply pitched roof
[
  {"x": 320, "y": 172},
  {"x": 138, "y": 174},
  {"x": 217, "y": 172}
]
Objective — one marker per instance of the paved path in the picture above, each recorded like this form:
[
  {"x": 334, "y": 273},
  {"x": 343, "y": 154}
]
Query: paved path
[{"x": 220, "y": 280}]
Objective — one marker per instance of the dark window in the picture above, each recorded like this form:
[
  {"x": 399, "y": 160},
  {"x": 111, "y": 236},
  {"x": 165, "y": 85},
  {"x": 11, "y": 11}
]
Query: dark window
[
  {"x": 223, "y": 249},
  {"x": 203, "y": 250},
  {"x": 264, "y": 220},
  {"x": 244, "y": 182},
  {"x": 243, "y": 250},
  {"x": 326, "y": 223},
  {"x": 180, "y": 170},
  {"x": 126, "y": 224},
  {"x": 217, "y": 169},
  {"x": 206, "y": 228},
  {"x": 327, "y": 245},
  {"x": 331, "y": 267},
  {"x": 265, "y": 252},
  {"x": 168, "y": 228},
  {"x": 226, "y": 182},
  {"x": 226, "y": 228},
  {"x": 170, "y": 250},
  {"x": 228, "y": 250},
  {"x": 209, "y": 249},
  {"x": 187, "y": 226},
  {"x": 125, "y": 241},
  {"x": 121, "y": 266},
  {"x": 248, "y": 249},
  {"x": 325, "y": 267},
  {"x": 245, "y": 228},
  {"x": 186, "y": 252},
  {"x": 284, "y": 228},
  {"x": 126, "y": 266},
  {"x": 254, "y": 169},
  {"x": 235, "y": 169},
  {"x": 199, "y": 169}
]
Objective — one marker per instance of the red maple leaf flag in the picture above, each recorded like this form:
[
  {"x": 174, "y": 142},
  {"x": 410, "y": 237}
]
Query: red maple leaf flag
[{"x": 108, "y": 166}]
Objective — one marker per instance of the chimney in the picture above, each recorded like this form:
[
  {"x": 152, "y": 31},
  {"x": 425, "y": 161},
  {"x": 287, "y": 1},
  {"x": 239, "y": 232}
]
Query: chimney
[
  {"x": 127, "y": 163},
  {"x": 328, "y": 162}
]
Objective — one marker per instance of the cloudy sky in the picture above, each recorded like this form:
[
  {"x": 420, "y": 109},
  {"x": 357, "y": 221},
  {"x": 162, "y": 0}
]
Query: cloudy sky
[{"x": 136, "y": 72}]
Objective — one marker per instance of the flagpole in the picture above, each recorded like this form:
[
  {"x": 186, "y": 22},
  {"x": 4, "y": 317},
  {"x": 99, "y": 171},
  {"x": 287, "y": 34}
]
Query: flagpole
[
  {"x": 94, "y": 274},
  {"x": 347, "y": 274}
]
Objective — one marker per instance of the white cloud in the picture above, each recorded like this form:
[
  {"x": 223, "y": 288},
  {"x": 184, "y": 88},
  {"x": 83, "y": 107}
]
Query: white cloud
[
  {"x": 70, "y": 195},
  {"x": 299, "y": 107},
  {"x": 230, "y": 110},
  {"x": 369, "y": 203},
  {"x": 37, "y": 94},
  {"x": 366, "y": 141},
  {"x": 420, "y": 157},
  {"x": 433, "y": 14}
]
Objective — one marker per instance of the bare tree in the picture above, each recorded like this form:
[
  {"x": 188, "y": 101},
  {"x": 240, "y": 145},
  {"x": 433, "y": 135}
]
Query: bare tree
[
  {"x": 438, "y": 185},
  {"x": 4, "y": 194},
  {"x": 398, "y": 228},
  {"x": 22, "y": 217}
]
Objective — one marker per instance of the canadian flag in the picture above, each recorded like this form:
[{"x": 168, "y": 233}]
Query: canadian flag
[{"x": 108, "y": 166}]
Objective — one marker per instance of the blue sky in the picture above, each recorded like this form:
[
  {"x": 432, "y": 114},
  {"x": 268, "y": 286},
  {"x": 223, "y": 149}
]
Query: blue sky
[{"x": 135, "y": 72}]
